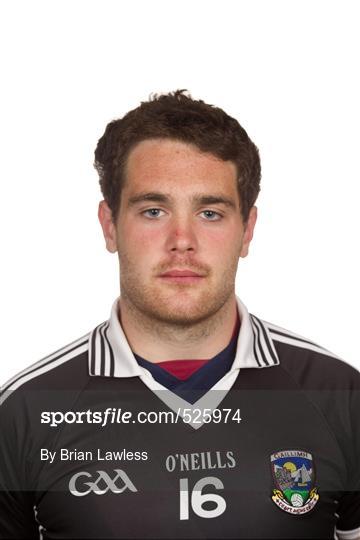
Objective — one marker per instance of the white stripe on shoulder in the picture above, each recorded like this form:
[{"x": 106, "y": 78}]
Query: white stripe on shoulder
[
  {"x": 287, "y": 336},
  {"x": 48, "y": 358},
  {"x": 354, "y": 534},
  {"x": 45, "y": 364}
]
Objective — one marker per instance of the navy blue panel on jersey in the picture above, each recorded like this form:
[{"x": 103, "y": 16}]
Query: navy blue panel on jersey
[{"x": 199, "y": 382}]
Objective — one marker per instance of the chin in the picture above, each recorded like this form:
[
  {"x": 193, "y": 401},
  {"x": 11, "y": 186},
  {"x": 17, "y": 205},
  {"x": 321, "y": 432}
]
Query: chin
[
  {"x": 179, "y": 319},
  {"x": 181, "y": 313}
]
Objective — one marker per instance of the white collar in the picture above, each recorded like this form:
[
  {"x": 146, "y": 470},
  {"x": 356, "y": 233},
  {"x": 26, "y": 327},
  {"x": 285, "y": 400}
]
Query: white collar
[{"x": 110, "y": 354}]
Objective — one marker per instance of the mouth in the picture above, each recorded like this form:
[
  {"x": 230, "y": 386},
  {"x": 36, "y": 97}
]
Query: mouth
[{"x": 181, "y": 276}]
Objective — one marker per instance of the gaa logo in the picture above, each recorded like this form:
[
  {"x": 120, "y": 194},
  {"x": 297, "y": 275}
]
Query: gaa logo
[{"x": 101, "y": 484}]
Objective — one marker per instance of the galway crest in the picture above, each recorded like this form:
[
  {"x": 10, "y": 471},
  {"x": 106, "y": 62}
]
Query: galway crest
[{"x": 294, "y": 477}]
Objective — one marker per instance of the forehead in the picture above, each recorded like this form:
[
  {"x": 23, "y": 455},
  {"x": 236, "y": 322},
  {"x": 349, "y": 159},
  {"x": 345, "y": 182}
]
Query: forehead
[{"x": 164, "y": 163}]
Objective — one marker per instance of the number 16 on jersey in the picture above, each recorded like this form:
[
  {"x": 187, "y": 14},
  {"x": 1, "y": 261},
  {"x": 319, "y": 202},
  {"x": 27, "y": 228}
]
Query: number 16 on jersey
[{"x": 197, "y": 499}]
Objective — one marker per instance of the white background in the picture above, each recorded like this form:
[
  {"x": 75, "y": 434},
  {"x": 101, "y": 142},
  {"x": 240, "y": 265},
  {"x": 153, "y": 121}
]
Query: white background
[{"x": 287, "y": 70}]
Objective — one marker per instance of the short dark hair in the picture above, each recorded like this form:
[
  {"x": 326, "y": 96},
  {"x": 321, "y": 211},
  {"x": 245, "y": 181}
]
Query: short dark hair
[{"x": 177, "y": 116}]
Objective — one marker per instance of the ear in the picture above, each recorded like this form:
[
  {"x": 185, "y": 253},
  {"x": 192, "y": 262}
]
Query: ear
[
  {"x": 108, "y": 226},
  {"x": 249, "y": 231}
]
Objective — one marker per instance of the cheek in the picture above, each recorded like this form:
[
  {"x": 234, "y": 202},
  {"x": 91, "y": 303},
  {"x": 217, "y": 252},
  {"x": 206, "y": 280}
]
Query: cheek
[
  {"x": 139, "y": 245},
  {"x": 223, "y": 244},
  {"x": 146, "y": 239}
]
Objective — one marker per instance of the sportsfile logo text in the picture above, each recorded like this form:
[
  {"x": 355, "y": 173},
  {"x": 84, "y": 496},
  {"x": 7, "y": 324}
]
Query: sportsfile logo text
[{"x": 113, "y": 415}]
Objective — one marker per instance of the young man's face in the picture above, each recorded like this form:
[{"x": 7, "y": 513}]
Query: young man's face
[{"x": 179, "y": 216}]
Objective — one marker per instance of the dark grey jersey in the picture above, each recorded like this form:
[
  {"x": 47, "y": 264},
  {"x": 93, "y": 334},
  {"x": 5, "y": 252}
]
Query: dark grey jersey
[{"x": 93, "y": 447}]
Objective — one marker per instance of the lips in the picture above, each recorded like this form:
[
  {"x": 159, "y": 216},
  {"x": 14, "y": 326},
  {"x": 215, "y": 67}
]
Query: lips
[
  {"x": 181, "y": 277},
  {"x": 180, "y": 273}
]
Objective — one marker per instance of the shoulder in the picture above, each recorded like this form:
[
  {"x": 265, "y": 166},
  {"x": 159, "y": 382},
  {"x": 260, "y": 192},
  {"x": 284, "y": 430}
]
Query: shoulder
[
  {"x": 322, "y": 379},
  {"x": 63, "y": 369},
  {"x": 310, "y": 363}
]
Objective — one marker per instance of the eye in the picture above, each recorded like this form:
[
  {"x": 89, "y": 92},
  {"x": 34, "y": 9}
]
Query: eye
[
  {"x": 211, "y": 215},
  {"x": 151, "y": 213}
]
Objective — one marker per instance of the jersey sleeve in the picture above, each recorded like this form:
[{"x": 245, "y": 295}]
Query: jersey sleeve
[
  {"x": 17, "y": 517},
  {"x": 348, "y": 526}
]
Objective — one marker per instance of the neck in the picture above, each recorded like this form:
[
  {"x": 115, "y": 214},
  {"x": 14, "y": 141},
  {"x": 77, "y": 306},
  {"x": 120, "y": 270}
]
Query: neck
[{"x": 159, "y": 341}]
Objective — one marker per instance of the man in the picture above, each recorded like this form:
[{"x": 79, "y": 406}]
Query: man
[{"x": 183, "y": 415}]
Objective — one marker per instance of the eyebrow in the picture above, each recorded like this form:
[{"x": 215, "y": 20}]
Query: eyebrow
[{"x": 201, "y": 199}]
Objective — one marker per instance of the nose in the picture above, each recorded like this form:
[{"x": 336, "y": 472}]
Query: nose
[{"x": 181, "y": 235}]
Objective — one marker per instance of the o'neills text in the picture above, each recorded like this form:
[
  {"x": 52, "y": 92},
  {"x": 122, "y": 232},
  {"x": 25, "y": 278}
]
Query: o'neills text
[{"x": 200, "y": 460}]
